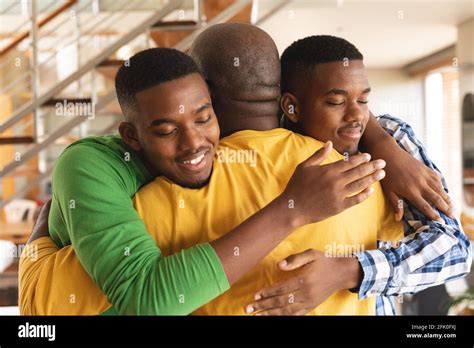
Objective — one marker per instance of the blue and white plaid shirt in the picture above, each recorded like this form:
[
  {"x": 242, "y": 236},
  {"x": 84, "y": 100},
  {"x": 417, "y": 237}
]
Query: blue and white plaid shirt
[{"x": 431, "y": 253}]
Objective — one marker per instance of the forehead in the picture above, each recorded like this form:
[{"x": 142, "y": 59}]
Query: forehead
[
  {"x": 172, "y": 96},
  {"x": 343, "y": 75}
]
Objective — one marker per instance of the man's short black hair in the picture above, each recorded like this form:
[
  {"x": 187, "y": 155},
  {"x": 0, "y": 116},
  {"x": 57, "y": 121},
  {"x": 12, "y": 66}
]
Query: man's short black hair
[
  {"x": 299, "y": 59},
  {"x": 147, "y": 69}
]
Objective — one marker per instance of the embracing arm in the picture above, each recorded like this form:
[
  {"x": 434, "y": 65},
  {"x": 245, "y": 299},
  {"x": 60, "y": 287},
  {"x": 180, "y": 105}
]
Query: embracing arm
[
  {"x": 431, "y": 253},
  {"x": 407, "y": 178}
]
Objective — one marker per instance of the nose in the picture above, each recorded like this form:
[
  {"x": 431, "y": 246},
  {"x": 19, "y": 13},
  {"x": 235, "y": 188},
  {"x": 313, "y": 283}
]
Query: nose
[
  {"x": 354, "y": 113},
  {"x": 190, "y": 139}
]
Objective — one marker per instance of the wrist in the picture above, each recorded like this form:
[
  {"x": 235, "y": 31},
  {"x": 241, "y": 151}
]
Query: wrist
[
  {"x": 350, "y": 272},
  {"x": 287, "y": 214}
]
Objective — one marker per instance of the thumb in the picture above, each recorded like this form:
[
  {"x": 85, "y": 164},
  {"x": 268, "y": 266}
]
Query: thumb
[
  {"x": 297, "y": 260},
  {"x": 319, "y": 156},
  {"x": 397, "y": 205}
]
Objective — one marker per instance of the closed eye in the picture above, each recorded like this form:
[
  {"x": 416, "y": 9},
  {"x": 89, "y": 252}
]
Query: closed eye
[
  {"x": 335, "y": 104},
  {"x": 162, "y": 134},
  {"x": 205, "y": 121}
]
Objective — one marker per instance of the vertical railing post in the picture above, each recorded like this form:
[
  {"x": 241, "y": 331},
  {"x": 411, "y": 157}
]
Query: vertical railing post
[
  {"x": 83, "y": 127},
  {"x": 198, "y": 5},
  {"x": 34, "y": 63},
  {"x": 38, "y": 117},
  {"x": 254, "y": 11}
]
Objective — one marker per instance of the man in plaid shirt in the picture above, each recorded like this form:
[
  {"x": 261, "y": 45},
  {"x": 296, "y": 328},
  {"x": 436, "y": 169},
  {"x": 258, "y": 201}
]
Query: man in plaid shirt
[{"x": 432, "y": 251}]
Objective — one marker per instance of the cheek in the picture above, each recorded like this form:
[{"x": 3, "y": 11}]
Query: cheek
[
  {"x": 213, "y": 131},
  {"x": 367, "y": 116},
  {"x": 159, "y": 151},
  {"x": 321, "y": 123}
]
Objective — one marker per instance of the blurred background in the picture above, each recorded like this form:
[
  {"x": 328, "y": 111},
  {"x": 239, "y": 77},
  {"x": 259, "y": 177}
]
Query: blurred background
[{"x": 58, "y": 60}]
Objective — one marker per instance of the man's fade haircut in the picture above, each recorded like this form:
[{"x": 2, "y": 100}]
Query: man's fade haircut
[
  {"x": 299, "y": 59},
  {"x": 147, "y": 69}
]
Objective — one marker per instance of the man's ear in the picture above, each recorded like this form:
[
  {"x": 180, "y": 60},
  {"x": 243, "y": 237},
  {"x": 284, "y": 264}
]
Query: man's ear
[
  {"x": 290, "y": 107},
  {"x": 129, "y": 135}
]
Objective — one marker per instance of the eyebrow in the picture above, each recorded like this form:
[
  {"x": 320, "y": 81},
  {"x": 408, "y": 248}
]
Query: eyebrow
[
  {"x": 169, "y": 120},
  {"x": 344, "y": 92},
  {"x": 202, "y": 108}
]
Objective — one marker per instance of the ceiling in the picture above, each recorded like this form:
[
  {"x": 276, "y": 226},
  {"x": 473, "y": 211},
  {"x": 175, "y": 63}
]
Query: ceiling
[{"x": 389, "y": 33}]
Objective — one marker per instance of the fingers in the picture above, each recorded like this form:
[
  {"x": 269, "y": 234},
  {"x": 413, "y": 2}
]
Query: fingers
[
  {"x": 363, "y": 170},
  {"x": 319, "y": 156},
  {"x": 293, "y": 309},
  {"x": 397, "y": 205},
  {"x": 362, "y": 184},
  {"x": 426, "y": 209},
  {"x": 281, "y": 288},
  {"x": 444, "y": 202},
  {"x": 280, "y": 301},
  {"x": 353, "y": 161},
  {"x": 437, "y": 195},
  {"x": 437, "y": 185},
  {"x": 297, "y": 260},
  {"x": 358, "y": 198},
  {"x": 44, "y": 211},
  {"x": 438, "y": 201},
  {"x": 441, "y": 191},
  {"x": 40, "y": 228}
]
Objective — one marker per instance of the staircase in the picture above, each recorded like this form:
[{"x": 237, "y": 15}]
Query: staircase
[{"x": 58, "y": 64}]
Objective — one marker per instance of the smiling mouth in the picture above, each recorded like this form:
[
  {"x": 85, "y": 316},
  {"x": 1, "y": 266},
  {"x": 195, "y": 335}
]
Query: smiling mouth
[
  {"x": 196, "y": 162},
  {"x": 352, "y": 133}
]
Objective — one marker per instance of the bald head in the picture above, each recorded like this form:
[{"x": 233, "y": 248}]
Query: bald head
[{"x": 242, "y": 67}]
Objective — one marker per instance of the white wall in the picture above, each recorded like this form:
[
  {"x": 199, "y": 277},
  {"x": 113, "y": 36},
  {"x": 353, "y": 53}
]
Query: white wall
[
  {"x": 397, "y": 94},
  {"x": 465, "y": 55}
]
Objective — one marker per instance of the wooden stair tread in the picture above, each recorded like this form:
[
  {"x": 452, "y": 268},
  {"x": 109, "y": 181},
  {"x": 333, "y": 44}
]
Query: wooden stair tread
[
  {"x": 170, "y": 24},
  {"x": 111, "y": 63},
  {"x": 53, "y": 101},
  {"x": 109, "y": 67},
  {"x": 16, "y": 140},
  {"x": 23, "y": 172}
]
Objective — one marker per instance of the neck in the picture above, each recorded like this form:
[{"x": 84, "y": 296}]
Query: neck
[{"x": 244, "y": 115}]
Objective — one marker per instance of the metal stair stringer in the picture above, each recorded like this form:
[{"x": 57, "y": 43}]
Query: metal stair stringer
[
  {"x": 91, "y": 64},
  {"x": 65, "y": 128}
]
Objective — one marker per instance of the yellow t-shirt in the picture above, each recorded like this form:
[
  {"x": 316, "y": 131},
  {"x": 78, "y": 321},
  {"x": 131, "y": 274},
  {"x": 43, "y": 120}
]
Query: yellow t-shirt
[{"x": 239, "y": 188}]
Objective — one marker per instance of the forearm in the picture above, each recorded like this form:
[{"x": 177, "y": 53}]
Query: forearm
[
  {"x": 139, "y": 280},
  {"x": 376, "y": 138},
  {"x": 435, "y": 250},
  {"x": 432, "y": 255},
  {"x": 174, "y": 285},
  {"x": 246, "y": 245},
  {"x": 53, "y": 282}
]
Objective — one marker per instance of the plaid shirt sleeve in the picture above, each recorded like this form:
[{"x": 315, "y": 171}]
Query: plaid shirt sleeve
[{"x": 430, "y": 254}]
